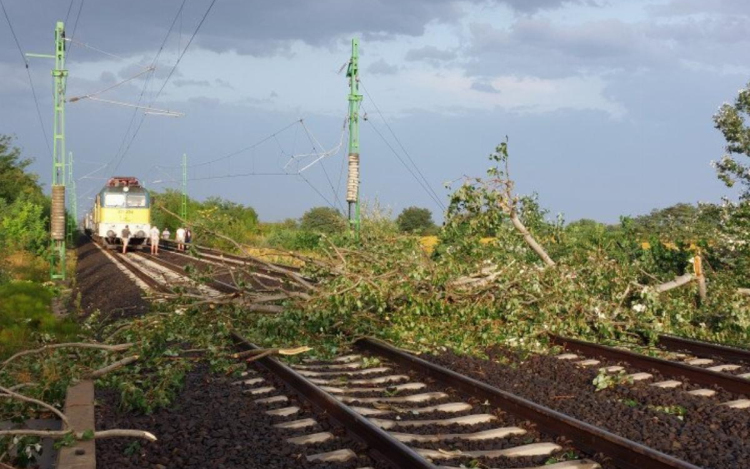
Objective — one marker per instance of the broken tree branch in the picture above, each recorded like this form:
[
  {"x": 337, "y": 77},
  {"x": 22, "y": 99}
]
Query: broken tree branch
[
  {"x": 114, "y": 366},
  {"x": 273, "y": 267},
  {"x": 677, "y": 282},
  {"x": 97, "y": 435},
  {"x": 109, "y": 348},
  {"x": 7, "y": 393}
]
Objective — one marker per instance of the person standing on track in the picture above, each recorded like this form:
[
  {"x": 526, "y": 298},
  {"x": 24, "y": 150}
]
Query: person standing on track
[
  {"x": 154, "y": 241},
  {"x": 179, "y": 236},
  {"x": 165, "y": 234},
  {"x": 188, "y": 236},
  {"x": 125, "y": 238}
]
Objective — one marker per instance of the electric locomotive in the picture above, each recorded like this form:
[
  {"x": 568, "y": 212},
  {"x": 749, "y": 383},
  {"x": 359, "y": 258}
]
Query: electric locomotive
[{"x": 122, "y": 201}]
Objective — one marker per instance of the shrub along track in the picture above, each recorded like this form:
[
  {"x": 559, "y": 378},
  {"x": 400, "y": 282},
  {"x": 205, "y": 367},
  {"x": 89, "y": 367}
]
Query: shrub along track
[{"x": 705, "y": 434}]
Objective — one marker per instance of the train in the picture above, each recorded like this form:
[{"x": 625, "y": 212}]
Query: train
[{"x": 122, "y": 201}]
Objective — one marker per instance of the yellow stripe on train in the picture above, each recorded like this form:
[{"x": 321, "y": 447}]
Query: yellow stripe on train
[{"x": 125, "y": 215}]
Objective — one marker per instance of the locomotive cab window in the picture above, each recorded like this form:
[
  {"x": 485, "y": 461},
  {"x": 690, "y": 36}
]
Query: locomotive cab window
[
  {"x": 114, "y": 200},
  {"x": 136, "y": 200}
]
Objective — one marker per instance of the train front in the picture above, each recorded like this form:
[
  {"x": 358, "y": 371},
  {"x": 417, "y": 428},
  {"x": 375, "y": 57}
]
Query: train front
[{"x": 123, "y": 201}]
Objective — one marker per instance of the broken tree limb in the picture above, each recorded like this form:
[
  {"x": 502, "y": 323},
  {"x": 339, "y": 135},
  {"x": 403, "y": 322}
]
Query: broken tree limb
[
  {"x": 677, "y": 282},
  {"x": 268, "y": 265},
  {"x": 744, "y": 291},
  {"x": 7, "y": 393},
  {"x": 114, "y": 366},
  {"x": 109, "y": 348},
  {"x": 255, "y": 353},
  {"x": 529, "y": 239},
  {"x": 58, "y": 434}
]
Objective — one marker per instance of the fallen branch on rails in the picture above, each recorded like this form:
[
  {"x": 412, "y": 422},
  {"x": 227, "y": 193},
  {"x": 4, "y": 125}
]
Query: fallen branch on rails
[
  {"x": 290, "y": 274},
  {"x": 81, "y": 436},
  {"x": 109, "y": 348}
]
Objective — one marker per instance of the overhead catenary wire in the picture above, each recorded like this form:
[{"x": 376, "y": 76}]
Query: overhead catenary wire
[
  {"x": 75, "y": 25},
  {"x": 425, "y": 183},
  {"x": 28, "y": 73},
  {"x": 313, "y": 142},
  {"x": 431, "y": 194},
  {"x": 120, "y": 153}
]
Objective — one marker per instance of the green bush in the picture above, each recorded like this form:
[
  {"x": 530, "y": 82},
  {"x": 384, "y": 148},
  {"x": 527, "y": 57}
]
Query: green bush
[
  {"x": 416, "y": 220},
  {"x": 25, "y": 315},
  {"x": 324, "y": 220}
]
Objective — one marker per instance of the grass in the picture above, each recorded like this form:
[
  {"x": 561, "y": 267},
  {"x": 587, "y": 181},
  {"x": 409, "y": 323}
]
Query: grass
[{"x": 26, "y": 317}]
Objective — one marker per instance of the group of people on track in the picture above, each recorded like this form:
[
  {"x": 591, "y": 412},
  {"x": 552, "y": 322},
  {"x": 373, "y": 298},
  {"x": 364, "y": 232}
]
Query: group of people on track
[{"x": 182, "y": 236}]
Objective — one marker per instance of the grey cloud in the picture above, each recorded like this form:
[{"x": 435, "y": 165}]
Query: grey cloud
[
  {"x": 430, "y": 54},
  {"x": 198, "y": 83},
  {"x": 484, "y": 87},
  {"x": 249, "y": 27},
  {"x": 223, "y": 84},
  {"x": 538, "y": 47},
  {"x": 692, "y": 7},
  {"x": 381, "y": 67}
]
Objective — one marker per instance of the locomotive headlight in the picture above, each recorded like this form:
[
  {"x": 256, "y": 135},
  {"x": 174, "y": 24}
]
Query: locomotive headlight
[
  {"x": 140, "y": 234},
  {"x": 110, "y": 234}
]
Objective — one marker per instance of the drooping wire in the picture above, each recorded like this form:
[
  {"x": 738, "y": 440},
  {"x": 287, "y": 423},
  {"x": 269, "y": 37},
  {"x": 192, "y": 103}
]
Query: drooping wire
[
  {"x": 426, "y": 183},
  {"x": 31, "y": 81},
  {"x": 187, "y": 46},
  {"x": 242, "y": 150},
  {"x": 140, "y": 98},
  {"x": 171, "y": 72},
  {"x": 75, "y": 25},
  {"x": 431, "y": 194},
  {"x": 322, "y": 165},
  {"x": 70, "y": 7}
]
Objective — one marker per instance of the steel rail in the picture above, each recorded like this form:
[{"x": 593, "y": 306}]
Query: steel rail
[
  {"x": 668, "y": 368},
  {"x": 376, "y": 438},
  {"x": 218, "y": 285},
  {"x": 724, "y": 352},
  {"x": 170, "y": 244},
  {"x": 625, "y": 453},
  {"x": 147, "y": 279},
  {"x": 261, "y": 278}
]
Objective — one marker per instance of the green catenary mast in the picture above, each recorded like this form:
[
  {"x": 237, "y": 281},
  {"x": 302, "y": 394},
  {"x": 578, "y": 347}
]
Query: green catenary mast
[
  {"x": 57, "y": 222},
  {"x": 352, "y": 189}
]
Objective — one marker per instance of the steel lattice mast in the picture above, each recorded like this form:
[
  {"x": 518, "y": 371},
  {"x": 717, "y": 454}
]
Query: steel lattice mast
[
  {"x": 352, "y": 190},
  {"x": 57, "y": 218}
]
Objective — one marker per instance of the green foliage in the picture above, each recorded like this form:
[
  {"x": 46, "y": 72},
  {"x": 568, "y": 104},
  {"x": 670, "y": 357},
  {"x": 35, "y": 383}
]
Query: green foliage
[
  {"x": 601, "y": 287},
  {"x": 731, "y": 121},
  {"x": 23, "y": 226},
  {"x": 237, "y": 221},
  {"x": 325, "y": 220},
  {"x": 25, "y": 317},
  {"x": 605, "y": 380},
  {"x": 15, "y": 181},
  {"x": 416, "y": 220}
]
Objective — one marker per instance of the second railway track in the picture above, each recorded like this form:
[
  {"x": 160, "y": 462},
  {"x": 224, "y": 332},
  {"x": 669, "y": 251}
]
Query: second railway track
[{"x": 408, "y": 411}]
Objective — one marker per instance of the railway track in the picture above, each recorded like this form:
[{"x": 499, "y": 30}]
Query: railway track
[
  {"x": 680, "y": 368},
  {"x": 267, "y": 275},
  {"x": 413, "y": 413}
]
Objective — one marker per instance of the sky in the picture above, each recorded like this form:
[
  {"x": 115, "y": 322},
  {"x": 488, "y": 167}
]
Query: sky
[{"x": 607, "y": 105}]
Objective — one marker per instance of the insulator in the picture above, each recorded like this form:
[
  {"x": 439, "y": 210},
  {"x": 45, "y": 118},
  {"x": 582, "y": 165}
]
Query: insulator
[
  {"x": 58, "y": 212},
  {"x": 352, "y": 183}
]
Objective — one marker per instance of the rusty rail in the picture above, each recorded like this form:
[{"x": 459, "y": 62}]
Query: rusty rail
[{"x": 625, "y": 453}]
